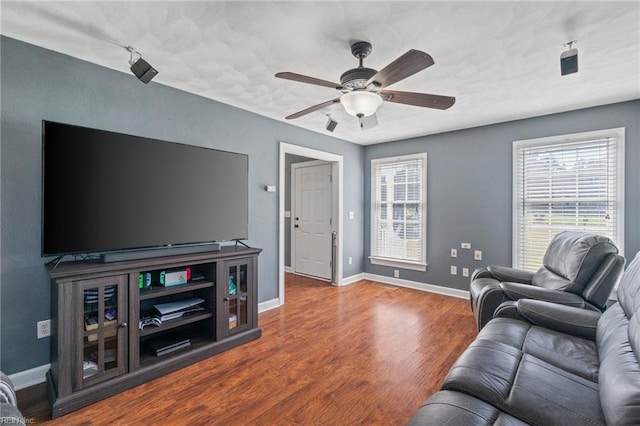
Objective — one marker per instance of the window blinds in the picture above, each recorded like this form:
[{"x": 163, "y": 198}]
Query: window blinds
[
  {"x": 398, "y": 209},
  {"x": 570, "y": 185}
]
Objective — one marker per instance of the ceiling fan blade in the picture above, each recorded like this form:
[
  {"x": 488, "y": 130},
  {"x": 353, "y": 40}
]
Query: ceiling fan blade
[
  {"x": 306, "y": 79},
  {"x": 418, "y": 99},
  {"x": 313, "y": 108},
  {"x": 403, "y": 67}
]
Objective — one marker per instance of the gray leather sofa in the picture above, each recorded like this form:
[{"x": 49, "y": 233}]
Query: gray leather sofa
[
  {"x": 579, "y": 269},
  {"x": 548, "y": 364}
]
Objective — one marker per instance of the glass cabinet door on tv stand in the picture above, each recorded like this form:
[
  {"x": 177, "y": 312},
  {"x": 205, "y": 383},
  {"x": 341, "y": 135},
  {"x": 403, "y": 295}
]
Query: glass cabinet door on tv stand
[
  {"x": 237, "y": 293},
  {"x": 102, "y": 340}
]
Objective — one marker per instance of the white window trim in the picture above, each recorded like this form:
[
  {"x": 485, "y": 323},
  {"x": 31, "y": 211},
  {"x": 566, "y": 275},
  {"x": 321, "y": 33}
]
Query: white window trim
[
  {"x": 619, "y": 132},
  {"x": 403, "y": 264}
]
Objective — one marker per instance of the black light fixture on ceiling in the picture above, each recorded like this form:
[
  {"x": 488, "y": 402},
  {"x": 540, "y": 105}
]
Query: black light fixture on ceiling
[
  {"x": 569, "y": 59},
  {"x": 139, "y": 67},
  {"x": 331, "y": 123}
]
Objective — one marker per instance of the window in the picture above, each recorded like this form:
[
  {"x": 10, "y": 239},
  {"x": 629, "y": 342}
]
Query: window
[
  {"x": 398, "y": 211},
  {"x": 573, "y": 182}
]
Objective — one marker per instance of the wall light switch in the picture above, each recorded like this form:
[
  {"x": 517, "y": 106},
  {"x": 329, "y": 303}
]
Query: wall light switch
[
  {"x": 454, "y": 270},
  {"x": 350, "y": 260},
  {"x": 351, "y": 215},
  {"x": 465, "y": 272},
  {"x": 477, "y": 255},
  {"x": 454, "y": 253},
  {"x": 396, "y": 273}
]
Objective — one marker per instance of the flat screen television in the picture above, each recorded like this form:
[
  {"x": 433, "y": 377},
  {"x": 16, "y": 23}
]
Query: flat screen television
[{"x": 106, "y": 191}]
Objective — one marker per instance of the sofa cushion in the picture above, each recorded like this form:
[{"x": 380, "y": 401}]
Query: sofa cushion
[
  {"x": 629, "y": 288},
  {"x": 458, "y": 409},
  {"x": 573, "y": 354},
  {"x": 550, "y": 279},
  {"x": 572, "y": 257},
  {"x": 619, "y": 368},
  {"x": 524, "y": 386}
]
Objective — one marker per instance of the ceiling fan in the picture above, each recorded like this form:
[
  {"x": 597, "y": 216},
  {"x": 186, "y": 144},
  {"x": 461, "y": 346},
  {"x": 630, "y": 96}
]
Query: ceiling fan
[{"x": 364, "y": 88}]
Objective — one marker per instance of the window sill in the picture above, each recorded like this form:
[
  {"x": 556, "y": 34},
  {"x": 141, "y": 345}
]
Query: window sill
[{"x": 414, "y": 266}]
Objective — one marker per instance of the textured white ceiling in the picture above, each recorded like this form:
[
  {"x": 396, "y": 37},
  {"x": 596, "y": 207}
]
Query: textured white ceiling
[{"x": 499, "y": 59}]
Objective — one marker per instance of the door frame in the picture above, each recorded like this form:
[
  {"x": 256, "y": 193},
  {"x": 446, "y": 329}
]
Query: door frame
[
  {"x": 294, "y": 167},
  {"x": 337, "y": 162}
]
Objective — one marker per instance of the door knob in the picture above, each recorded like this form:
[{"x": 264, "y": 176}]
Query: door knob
[
  {"x": 296, "y": 226},
  {"x": 123, "y": 325}
]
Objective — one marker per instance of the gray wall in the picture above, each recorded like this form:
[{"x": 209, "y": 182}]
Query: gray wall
[
  {"x": 38, "y": 84},
  {"x": 469, "y": 187}
]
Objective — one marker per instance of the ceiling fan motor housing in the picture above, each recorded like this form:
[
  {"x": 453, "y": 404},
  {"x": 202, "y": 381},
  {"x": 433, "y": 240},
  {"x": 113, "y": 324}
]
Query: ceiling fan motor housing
[{"x": 356, "y": 78}]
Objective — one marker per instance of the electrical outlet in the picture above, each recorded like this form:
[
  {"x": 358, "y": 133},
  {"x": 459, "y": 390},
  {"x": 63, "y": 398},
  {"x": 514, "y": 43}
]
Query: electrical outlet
[
  {"x": 454, "y": 253},
  {"x": 454, "y": 270},
  {"x": 396, "y": 273},
  {"x": 465, "y": 272},
  {"x": 44, "y": 328},
  {"x": 477, "y": 255},
  {"x": 465, "y": 245},
  {"x": 350, "y": 260}
]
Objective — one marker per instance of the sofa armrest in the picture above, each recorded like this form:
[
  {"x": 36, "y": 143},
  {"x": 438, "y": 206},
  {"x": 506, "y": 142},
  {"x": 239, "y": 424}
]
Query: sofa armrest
[
  {"x": 565, "y": 319},
  {"x": 517, "y": 291},
  {"x": 503, "y": 273}
]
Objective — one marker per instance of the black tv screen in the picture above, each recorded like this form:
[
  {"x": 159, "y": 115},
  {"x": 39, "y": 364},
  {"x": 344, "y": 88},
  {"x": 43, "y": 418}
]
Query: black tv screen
[{"x": 106, "y": 191}]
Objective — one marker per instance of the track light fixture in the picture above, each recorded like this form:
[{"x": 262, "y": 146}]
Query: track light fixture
[
  {"x": 367, "y": 122},
  {"x": 139, "y": 67},
  {"x": 331, "y": 123},
  {"x": 569, "y": 59}
]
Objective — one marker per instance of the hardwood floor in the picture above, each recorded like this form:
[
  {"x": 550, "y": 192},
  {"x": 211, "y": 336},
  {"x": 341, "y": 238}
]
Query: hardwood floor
[{"x": 366, "y": 353}]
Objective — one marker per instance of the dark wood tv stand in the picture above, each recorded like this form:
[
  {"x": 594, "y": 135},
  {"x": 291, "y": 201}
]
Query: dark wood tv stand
[{"x": 97, "y": 346}]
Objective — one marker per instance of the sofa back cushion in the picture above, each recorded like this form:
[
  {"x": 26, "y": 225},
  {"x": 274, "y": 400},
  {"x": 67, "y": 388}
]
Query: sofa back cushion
[
  {"x": 572, "y": 257},
  {"x": 629, "y": 288},
  {"x": 619, "y": 375},
  {"x": 618, "y": 340}
]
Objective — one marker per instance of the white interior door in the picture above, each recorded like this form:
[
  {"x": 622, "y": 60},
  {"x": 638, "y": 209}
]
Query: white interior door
[{"x": 312, "y": 221}]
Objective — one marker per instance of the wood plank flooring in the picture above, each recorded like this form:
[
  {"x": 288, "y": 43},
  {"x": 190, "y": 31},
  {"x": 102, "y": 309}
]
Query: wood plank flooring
[{"x": 366, "y": 353}]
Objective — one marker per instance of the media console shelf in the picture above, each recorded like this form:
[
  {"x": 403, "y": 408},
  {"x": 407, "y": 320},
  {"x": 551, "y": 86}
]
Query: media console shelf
[{"x": 99, "y": 345}]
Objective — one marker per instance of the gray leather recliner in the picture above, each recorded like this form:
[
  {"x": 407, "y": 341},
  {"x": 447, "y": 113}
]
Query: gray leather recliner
[{"x": 579, "y": 269}]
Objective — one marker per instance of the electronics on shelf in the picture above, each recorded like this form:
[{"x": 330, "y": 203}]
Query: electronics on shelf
[{"x": 175, "y": 277}]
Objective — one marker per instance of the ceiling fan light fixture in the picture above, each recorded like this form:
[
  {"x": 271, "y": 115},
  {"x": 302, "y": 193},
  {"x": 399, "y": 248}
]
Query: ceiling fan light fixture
[{"x": 360, "y": 103}]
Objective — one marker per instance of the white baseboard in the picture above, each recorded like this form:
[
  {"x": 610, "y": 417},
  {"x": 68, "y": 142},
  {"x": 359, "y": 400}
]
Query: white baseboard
[
  {"x": 33, "y": 376},
  {"x": 353, "y": 279},
  {"x": 431, "y": 288},
  {"x": 268, "y": 305},
  {"x": 288, "y": 269}
]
